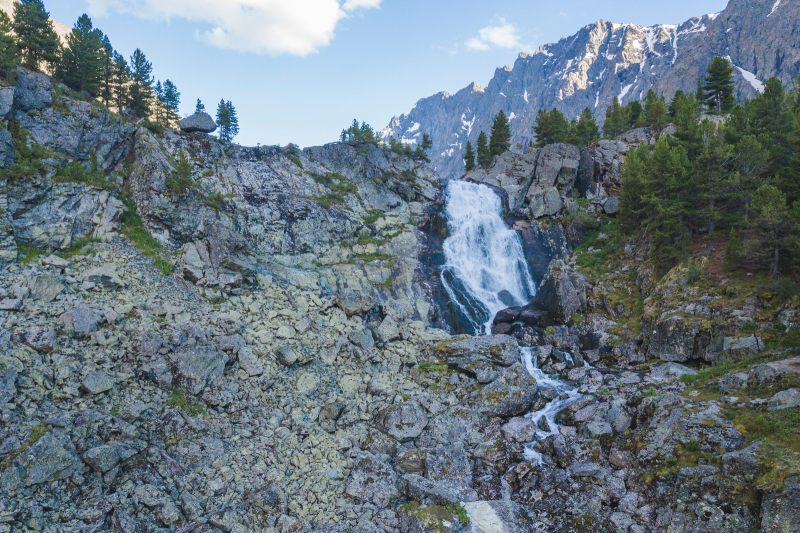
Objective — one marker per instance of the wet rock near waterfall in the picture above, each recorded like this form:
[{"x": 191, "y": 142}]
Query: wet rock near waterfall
[
  {"x": 501, "y": 350},
  {"x": 511, "y": 394},
  {"x": 198, "y": 123},
  {"x": 562, "y": 292}
]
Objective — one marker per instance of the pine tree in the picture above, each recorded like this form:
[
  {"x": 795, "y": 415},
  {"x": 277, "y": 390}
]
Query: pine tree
[
  {"x": 233, "y": 128},
  {"x": 484, "y": 155},
  {"x": 752, "y": 160},
  {"x": 550, "y": 128},
  {"x": 717, "y": 88},
  {"x": 9, "y": 52},
  {"x": 500, "y": 135},
  {"x": 82, "y": 62},
  {"x": 469, "y": 157},
  {"x": 36, "y": 38},
  {"x": 634, "y": 111},
  {"x": 141, "y": 87},
  {"x": 199, "y": 108},
  {"x": 773, "y": 229},
  {"x": 711, "y": 171},
  {"x": 172, "y": 101},
  {"x": 632, "y": 204},
  {"x": 107, "y": 75},
  {"x": 158, "y": 105},
  {"x": 655, "y": 111},
  {"x": 420, "y": 152},
  {"x": 224, "y": 121},
  {"x": 585, "y": 131},
  {"x": 616, "y": 120},
  {"x": 122, "y": 76}
]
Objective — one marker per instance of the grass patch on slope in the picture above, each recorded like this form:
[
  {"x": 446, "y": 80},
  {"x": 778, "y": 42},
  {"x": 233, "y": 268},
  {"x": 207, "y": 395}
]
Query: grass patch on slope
[{"x": 147, "y": 244}]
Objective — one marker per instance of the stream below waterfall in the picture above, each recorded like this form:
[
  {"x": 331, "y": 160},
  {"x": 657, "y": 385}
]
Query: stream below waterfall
[{"x": 485, "y": 272}]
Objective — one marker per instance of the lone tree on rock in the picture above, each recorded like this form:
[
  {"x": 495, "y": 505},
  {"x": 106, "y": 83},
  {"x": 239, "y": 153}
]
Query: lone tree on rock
[
  {"x": 227, "y": 121},
  {"x": 199, "y": 108},
  {"x": 717, "y": 87},
  {"x": 550, "y": 127},
  {"x": 469, "y": 157},
  {"x": 585, "y": 131},
  {"x": 500, "y": 136},
  {"x": 36, "y": 38}
]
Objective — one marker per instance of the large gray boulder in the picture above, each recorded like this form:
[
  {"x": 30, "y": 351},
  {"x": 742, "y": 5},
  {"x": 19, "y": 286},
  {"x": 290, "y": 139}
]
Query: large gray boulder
[
  {"x": 81, "y": 321},
  {"x": 672, "y": 340},
  {"x": 562, "y": 292},
  {"x": 52, "y": 457},
  {"x": 198, "y": 123},
  {"x": 196, "y": 367},
  {"x": 404, "y": 422},
  {"x": 511, "y": 172},
  {"x": 511, "y": 394},
  {"x": 556, "y": 166},
  {"x": 545, "y": 203},
  {"x": 372, "y": 480},
  {"x": 34, "y": 91}
]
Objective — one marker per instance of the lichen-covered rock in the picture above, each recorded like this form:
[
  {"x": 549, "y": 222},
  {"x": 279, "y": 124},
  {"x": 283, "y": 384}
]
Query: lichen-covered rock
[
  {"x": 404, "y": 421},
  {"x": 672, "y": 340},
  {"x": 105, "y": 276},
  {"x": 197, "y": 367},
  {"x": 502, "y": 350},
  {"x": 546, "y": 202},
  {"x": 81, "y": 321},
  {"x": 449, "y": 466},
  {"x": 556, "y": 166},
  {"x": 104, "y": 458},
  {"x": 371, "y": 480},
  {"x": 34, "y": 90},
  {"x": 510, "y": 172},
  {"x": 511, "y": 394},
  {"x": 780, "y": 511},
  {"x": 97, "y": 382},
  {"x": 51, "y": 458}
]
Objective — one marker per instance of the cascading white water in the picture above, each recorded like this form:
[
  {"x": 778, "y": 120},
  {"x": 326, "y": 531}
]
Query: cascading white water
[
  {"x": 485, "y": 269},
  {"x": 566, "y": 396}
]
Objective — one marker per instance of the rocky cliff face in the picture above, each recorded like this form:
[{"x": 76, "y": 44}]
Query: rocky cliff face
[{"x": 604, "y": 60}]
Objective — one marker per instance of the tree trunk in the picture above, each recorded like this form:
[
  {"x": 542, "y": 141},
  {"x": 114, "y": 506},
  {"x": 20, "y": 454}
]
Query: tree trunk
[
  {"x": 710, "y": 245},
  {"x": 775, "y": 263}
]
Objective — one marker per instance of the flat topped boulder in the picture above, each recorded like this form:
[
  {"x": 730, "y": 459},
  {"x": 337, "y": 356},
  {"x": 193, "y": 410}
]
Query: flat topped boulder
[{"x": 198, "y": 123}]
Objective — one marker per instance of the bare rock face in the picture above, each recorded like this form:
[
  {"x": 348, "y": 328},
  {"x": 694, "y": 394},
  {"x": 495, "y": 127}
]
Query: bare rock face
[
  {"x": 34, "y": 90},
  {"x": 198, "y": 123},
  {"x": 604, "y": 60}
]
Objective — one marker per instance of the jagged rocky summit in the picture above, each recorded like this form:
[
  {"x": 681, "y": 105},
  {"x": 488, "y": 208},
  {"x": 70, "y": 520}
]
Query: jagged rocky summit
[{"x": 604, "y": 60}]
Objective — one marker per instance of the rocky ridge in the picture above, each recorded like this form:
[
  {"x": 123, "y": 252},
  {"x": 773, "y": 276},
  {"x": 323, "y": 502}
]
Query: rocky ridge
[{"x": 604, "y": 60}]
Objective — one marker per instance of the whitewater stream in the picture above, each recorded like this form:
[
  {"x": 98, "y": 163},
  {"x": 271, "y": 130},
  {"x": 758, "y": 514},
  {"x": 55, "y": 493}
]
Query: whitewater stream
[{"x": 485, "y": 272}]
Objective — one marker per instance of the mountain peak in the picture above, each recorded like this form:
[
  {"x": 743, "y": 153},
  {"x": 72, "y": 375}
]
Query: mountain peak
[{"x": 607, "y": 59}]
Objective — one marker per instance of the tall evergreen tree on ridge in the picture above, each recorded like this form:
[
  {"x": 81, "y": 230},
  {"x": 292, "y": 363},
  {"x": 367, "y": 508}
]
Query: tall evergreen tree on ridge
[
  {"x": 36, "y": 38},
  {"x": 469, "y": 157},
  {"x": 233, "y": 128},
  {"x": 122, "y": 76},
  {"x": 229, "y": 123},
  {"x": 82, "y": 62},
  {"x": 585, "y": 131},
  {"x": 199, "y": 107},
  {"x": 172, "y": 100},
  {"x": 107, "y": 76},
  {"x": 616, "y": 119},
  {"x": 551, "y": 127},
  {"x": 716, "y": 91},
  {"x": 484, "y": 156},
  {"x": 141, "y": 87},
  {"x": 655, "y": 110},
  {"x": 500, "y": 135},
  {"x": 9, "y": 52}
]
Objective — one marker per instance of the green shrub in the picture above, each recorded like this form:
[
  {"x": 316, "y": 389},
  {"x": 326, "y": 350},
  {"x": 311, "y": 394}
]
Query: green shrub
[
  {"x": 694, "y": 274},
  {"x": 215, "y": 201},
  {"x": 147, "y": 244},
  {"x": 154, "y": 128},
  {"x": 180, "y": 400}
]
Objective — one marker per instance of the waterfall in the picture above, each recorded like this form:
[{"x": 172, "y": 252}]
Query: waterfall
[
  {"x": 485, "y": 272},
  {"x": 485, "y": 269}
]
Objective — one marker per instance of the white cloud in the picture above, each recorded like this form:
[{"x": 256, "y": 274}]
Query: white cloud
[
  {"x": 503, "y": 35},
  {"x": 298, "y": 27}
]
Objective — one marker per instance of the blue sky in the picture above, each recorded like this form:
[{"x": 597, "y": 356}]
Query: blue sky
[{"x": 300, "y": 70}]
